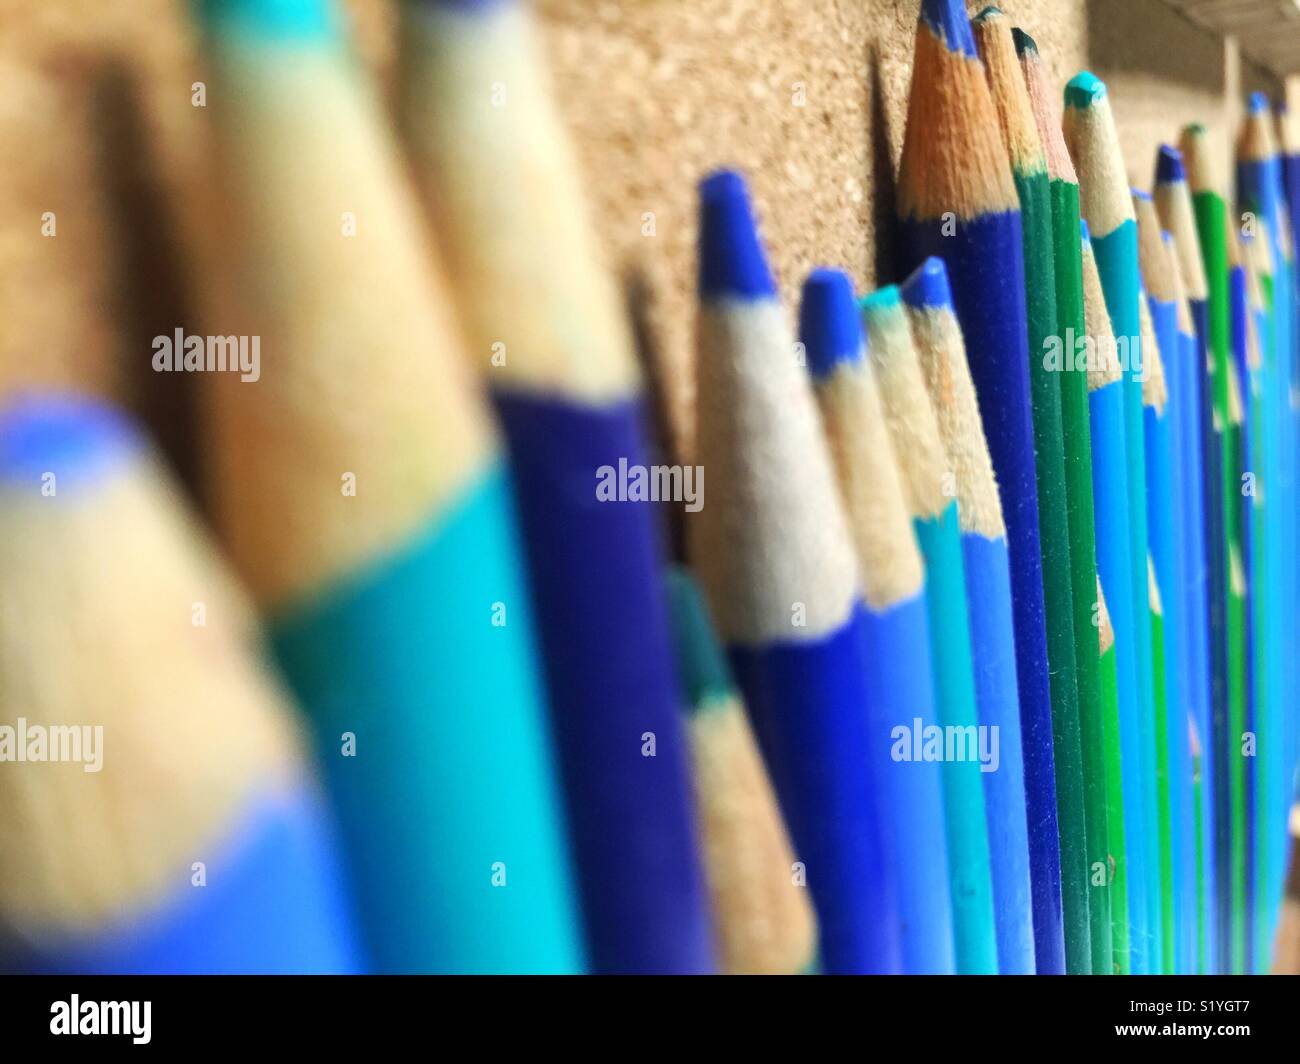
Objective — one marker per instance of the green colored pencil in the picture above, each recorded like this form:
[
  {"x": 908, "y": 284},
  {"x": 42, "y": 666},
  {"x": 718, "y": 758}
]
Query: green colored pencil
[
  {"x": 1108, "y": 690},
  {"x": 1029, "y": 170},
  {"x": 1063, "y": 190}
]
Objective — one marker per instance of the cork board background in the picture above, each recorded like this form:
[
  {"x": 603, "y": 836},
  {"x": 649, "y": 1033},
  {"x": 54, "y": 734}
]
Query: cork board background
[{"x": 807, "y": 96}]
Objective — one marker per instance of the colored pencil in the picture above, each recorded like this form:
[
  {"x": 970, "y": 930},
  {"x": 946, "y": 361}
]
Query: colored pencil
[
  {"x": 1203, "y": 862},
  {"x": 957, "y": 200},
  {"x": 1159, "y": 491},
  {"x": 776, "y": 560},
  {"x": 1110, "y": 503},
  {"x": 1177, "y": 216},
  {"x": 1168, "y": 520},
  {"x": 763, "y": 920},
  {"x": 1265, "y": 574},
  {"x": 1262, "y": 792},
  {"x": 509, "y": 213},
  {"x": 1262, "y": 191},
  {"x": 1063, "y": 188},
  {"x": 1285, "y": 427},
  {"x": 1239, "y": 675},
  {"x": 1025, "y": 152},
  {"x": 899, "y": 668},
  {"x": 942, "y": 354},
  {"x": 1093, "y": 141},
  {"x": 1211, "y": 222},
  {"x": 163, "y": 843},
  {"x": 918, "y": 447},
  {"x": 362, "y": 493}
]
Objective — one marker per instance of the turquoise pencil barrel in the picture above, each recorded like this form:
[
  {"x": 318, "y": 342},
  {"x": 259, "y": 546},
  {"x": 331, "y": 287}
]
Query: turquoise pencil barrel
[
  {"x": 964, "y": 811},
  {"x": 450, "y": 764}
]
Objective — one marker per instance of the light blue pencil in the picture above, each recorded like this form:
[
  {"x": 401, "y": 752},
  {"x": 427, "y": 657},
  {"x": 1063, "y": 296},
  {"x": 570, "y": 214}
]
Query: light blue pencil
[{"x": 942, "y": 353}]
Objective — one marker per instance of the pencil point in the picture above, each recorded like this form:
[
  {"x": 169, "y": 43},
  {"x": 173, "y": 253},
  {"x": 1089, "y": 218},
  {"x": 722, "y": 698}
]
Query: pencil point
[
  {"x": 928, "y": 285},
  {"x": 829, "y": 323},
  {"x": 880, "y": 299},
  {"x": 1025, "y": 44},
  {"x": 1258, "y": 103},
  {"x": 1083, "y": 230},
  {"x": 68, "y": 436},
  {"x": 732, "y": 262},
  {"x": 947, "y": 18},
  {"x": 1169, "y": 165},
  {"x": 1084, "y": 90}
]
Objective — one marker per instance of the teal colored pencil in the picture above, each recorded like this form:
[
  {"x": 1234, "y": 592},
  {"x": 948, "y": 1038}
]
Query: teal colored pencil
[
  {"x": 919, "y": 448},
  {"x": 1104, "y": 201},
  {"x": 361, "y": 490}
]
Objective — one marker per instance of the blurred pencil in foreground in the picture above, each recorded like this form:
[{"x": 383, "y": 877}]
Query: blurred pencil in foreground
[
  {"x": 942, "y": 357},
  {"x": 362, "y": 491},
  {"x": 764, "y": 921},
  {"x": 775, "y": 556},
  {"x": 900, "y": 689},
  {"x": 545, "y": 323},
  {"x": 187, "y": 836}
]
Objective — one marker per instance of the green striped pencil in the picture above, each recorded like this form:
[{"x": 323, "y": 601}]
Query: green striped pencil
[{"x": 1029, "y": 171}]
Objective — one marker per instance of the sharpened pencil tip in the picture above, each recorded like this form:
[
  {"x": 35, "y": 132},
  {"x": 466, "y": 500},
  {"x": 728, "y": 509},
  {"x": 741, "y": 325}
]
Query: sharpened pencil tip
[
  {"x": 1025, "y": 44},
  {"x": 880, "y": 299},
  {"x": 829, "y": 323},
  {"x": 732, "y": 262},
  {"x": 1083, "y": 230},
  {"x": 1169, "y": 165},
  {"x": 947, "y": 18},
  {"x": 928, "y": 285},
  {"x": 1084, "y": 90},
  {"x": 76, "y": 439},
  {"x": 1142, "y": 194},
  {"x": 1258, "y": 103}
]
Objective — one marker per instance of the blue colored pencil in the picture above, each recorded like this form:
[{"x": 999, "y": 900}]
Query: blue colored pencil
[
  {"x": 510, "y": 216},
  {"x": 954, "y": 164},
  {"x": 942, "y": 354},
  {"x": 900, "y": 689},
  {"x": 1106, "y": 207},
  {"x": 1262, "y": 187},
  {"x": 362, "y": 492},
  {"x": 918, "y": 446},
  {"x": 1166, "y": 514},
  {"x": 776, "y": 560},
  {"x": 190, "y": 839},
  {"x": 1174, "y": 205},
  {"x": 1110, "y": 502}
]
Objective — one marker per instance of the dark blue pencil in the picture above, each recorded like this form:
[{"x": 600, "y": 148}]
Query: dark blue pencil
[
  {"x": 958, "y": 201},
  {"x": 776, "y": 559}
]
